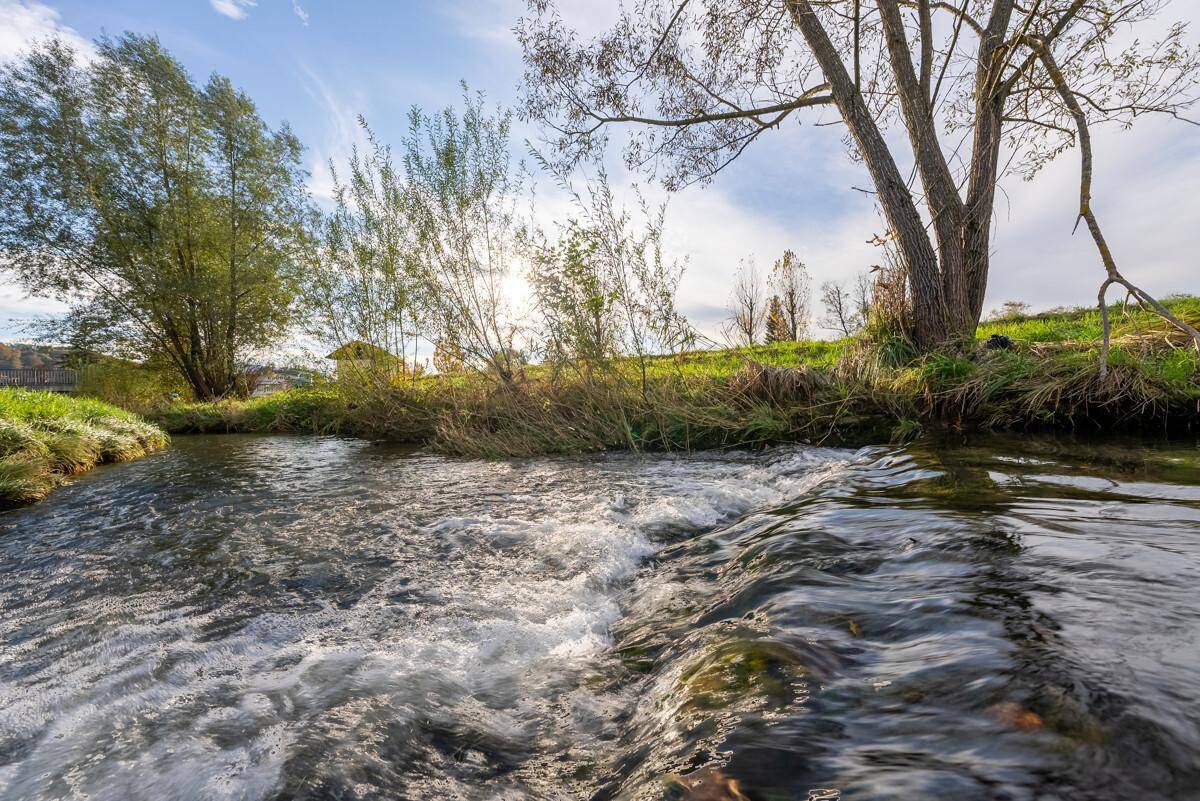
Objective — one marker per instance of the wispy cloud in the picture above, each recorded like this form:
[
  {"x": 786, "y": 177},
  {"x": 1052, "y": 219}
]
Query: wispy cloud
[
  {"x": 300, "y": 12},
  {"x": 234, "y": 9},
  {"x": 492, "y": 21},
  {"x": 342, "y": 131}
]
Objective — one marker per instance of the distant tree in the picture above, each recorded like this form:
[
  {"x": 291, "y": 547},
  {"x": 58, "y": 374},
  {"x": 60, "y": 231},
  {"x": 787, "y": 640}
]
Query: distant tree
[
  {"x": 167, "y": 214},
  {"x": 863, "y": 296},
  {"x": 789, "y": 278},
  {"x": 747, "y": 305},
  {"x": 778, "y": 326},
  {"x": 846, "y": 309},
  {"x": 20, "y": 355},
  {"x": 1010, "y": 308}
]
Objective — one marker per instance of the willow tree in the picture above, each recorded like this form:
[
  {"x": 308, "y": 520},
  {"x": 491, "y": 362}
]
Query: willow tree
[
  {"x": 982, "y": 88},
  {"x": 165, "y": 213}
]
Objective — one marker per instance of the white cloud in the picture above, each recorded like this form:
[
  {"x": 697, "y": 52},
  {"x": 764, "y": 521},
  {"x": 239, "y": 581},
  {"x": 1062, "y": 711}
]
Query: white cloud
[
  {"x": 23, "y": 22},
  {"x": 492, "y": 21},
  {"x": 715, "y": 234},
  {"x": 234, "y": 9},
  {"x": 1143, "y": 193},
  {"x": 300, "y": 12}
]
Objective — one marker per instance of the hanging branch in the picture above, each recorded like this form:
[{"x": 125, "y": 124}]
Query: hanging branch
[{"x": 1113, "y": 276}]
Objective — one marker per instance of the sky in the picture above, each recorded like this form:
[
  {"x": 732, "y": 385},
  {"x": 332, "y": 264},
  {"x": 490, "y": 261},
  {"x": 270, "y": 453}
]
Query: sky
[{"x": 318, "y": 64}]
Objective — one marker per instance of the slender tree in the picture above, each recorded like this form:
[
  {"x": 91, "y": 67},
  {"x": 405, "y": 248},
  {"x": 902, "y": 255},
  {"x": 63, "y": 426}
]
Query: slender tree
[
  {"x": 461, "y": 192},
  {"x": 360, "y": 283},
  {"x": 747, "y": 305},
  {"x": 982, "y": 88},
  {"x": 167, "y": 214},
  {"x": 841, "y": 315},
  {"x": 789, "y": 278},
  {"x": 576, "y": 299}
]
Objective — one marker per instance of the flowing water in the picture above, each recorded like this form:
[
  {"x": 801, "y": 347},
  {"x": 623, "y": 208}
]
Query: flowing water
[{"x": 318, "y": 618}]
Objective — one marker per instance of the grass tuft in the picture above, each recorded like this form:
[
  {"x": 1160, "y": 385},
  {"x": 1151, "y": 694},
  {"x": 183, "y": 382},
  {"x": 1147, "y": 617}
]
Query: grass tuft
[{"x": 45, "y": 437}]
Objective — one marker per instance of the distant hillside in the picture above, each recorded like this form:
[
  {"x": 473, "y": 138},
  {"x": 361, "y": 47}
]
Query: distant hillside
[{"x": 23, "y": 355}]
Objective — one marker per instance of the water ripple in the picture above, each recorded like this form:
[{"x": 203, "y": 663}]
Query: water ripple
[{"x": 288, "y": 618}]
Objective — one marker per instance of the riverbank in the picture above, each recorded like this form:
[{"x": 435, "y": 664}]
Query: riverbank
[
  {"x": 1045, "y": 377},
  {"x": 45, "y": 438}
]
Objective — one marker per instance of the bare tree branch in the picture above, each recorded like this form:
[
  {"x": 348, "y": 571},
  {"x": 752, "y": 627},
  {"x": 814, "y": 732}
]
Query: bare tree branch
[
  {"x": 1113, "y": 276},
  {"x": 753, "y": 113}
]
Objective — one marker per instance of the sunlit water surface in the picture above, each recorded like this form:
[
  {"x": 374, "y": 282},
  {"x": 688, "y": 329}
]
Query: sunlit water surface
[{"x": 316, "y": 618}]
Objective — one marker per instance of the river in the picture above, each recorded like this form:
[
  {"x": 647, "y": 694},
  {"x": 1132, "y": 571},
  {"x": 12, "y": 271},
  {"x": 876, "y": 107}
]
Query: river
[{"x": 256, "y": 618}]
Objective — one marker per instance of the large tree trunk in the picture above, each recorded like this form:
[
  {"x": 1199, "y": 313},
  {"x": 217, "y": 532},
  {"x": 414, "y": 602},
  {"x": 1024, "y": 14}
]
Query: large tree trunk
[
  {"x": 983, "y": 175},
  {"x": 941, "y": 194},
  {"x": 932, "y": 320}
]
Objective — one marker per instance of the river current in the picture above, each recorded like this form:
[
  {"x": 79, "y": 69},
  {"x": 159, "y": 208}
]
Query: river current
[{"x": 268, "y": 618}]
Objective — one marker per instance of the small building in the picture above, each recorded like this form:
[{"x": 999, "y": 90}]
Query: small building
[
  {"x": 356, "y": 359},
  {"x": 268, "y": 379}
]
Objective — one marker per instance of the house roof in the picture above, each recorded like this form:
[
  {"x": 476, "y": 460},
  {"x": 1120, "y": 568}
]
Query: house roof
[{"x": 358, "y": 350}]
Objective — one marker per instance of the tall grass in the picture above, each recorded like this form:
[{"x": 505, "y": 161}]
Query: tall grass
[{"x": 46, "y": 437}]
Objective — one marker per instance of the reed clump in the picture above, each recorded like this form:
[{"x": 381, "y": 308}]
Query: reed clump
[{"x": 45, "y": 438}]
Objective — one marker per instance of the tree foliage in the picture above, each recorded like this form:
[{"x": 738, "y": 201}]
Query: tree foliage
[
  {"x": 417, "y": 249},
  {"x": 576, "y": 302},
  {"x": 361, "y": 283},
  {"x": 605, "y": 289},
  {"x": 461, "y": 201},
  {"x": 167, "y": 214}
]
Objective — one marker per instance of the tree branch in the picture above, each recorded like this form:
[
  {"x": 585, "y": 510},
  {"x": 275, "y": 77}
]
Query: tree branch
[
  {"x": 960, "y": 13},
  {"x": 926, "y": 73},
  {"x": 804, "y": 101}
]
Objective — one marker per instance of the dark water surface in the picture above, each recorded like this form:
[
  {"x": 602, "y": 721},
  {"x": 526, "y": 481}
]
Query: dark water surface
[{"x": 316, "y": 618}]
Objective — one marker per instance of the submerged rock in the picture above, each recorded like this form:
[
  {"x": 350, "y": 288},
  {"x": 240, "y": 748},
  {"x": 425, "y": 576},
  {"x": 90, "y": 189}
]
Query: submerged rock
[
  {"x": 706, "y": 784},
  {"x": 743, "y": 674}
]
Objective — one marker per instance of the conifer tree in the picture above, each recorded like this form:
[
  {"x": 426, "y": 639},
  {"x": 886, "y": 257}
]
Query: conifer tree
[{"x": 778, "y": 329}]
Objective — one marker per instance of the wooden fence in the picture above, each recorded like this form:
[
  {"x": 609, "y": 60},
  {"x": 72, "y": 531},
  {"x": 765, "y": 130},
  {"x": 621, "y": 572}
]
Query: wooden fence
[{"x": 49, "y": 379}]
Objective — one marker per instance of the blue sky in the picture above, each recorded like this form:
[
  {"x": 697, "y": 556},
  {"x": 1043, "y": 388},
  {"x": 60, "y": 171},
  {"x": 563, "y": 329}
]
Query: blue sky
[{"x": 319, "y": 63}]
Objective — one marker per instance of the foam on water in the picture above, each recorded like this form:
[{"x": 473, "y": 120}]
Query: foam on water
[{"x": 323, "y": 618}]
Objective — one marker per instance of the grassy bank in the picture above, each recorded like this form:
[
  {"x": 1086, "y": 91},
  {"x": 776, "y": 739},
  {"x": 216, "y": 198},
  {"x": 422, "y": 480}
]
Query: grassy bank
[
  {"x": 860, "y": 389},
  {"x": 46, "y": 437}
]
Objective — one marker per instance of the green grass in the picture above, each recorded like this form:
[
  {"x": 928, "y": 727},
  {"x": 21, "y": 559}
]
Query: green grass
[
  {"x": 724, "y": 363},
  {"x": 400, "y": 413},
  {"x": 46, "y": 437},
  {"x": 1083, "y": 325}
]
